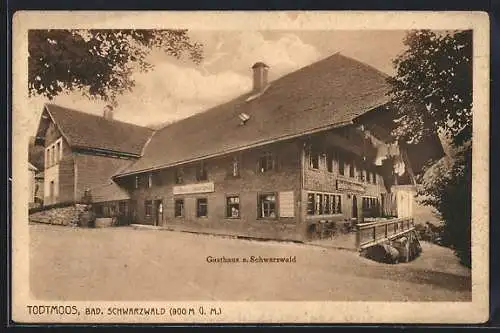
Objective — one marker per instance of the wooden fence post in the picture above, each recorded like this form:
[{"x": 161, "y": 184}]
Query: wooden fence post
[{"x": 358, "y": 237}]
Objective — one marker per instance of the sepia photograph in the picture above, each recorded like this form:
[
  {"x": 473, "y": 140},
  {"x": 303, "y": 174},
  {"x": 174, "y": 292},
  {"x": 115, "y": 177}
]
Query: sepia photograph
[{"x": 175, "y": 170}]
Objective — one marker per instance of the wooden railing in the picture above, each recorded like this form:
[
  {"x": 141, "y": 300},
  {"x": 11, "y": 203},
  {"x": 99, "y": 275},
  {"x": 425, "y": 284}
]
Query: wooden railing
[{"x": 372, "y": 233}]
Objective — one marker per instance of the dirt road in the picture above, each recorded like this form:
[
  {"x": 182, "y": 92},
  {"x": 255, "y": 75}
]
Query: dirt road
[{"x": 121, "y": 264}]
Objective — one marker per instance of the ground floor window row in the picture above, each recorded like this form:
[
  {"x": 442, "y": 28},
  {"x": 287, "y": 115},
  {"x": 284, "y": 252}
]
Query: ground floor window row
[
  {"x": 266, "y": 206},
  {"x": 371, "y": 207},
  {"x": 324, "y": 203},
  {"x": 111, "y": 209}
]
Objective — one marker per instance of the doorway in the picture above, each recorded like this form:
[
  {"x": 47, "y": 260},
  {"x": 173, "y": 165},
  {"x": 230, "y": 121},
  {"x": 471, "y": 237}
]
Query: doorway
[
  {"x": 159, "y": 212},
  {"x": 51, "y": 192}
]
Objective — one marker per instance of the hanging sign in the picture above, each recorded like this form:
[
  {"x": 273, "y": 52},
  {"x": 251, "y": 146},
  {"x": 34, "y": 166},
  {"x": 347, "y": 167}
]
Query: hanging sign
[{"x": 346, "y": 185}]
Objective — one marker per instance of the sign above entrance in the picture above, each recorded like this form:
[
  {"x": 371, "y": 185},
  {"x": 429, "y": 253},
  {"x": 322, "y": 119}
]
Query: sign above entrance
[
  {"x": 346, "y": 185},
  {"x": 194, "y": 188}
]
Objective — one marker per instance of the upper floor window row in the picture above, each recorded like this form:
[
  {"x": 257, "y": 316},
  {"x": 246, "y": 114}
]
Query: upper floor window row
[
  {"x": 53, "y": 153},
  {"x": 336, "y": 162}
]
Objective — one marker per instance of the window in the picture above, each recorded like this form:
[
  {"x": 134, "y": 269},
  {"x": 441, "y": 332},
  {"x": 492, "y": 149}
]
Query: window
[
  {"x": 326, "y": 204},
  {"x": 341, "y": 166},
  {"x": 310, "y": 204},
  {"x": 201, "y": 172},
  {"x": 266, "y": 162},
  {"x": 56, "y": 154},
  {"x": 318, "y": 210},
  {"x": 329, "y": 161},
  {"x": 375, "y": 178},
  {"x": 267, "y": 206},
  {"x": 351, "y": 169},
  {"x": 338, "y": 208},
  {"x": 136, "y": 182},
  {"x": 201, "y": 207},
  {"x": 179, "y": 173},
  {"x": 179, "y": 208},
  {"x": 370, "y": 206},
  {"x": 323, "y": 204},
  {"x": 362, "y": 174},
  {"x": 150, "y": 180},
  {"x": 59, "y": 150},
  {"x": 233, "y": 207},
  {"x": 314, "y": 159},
  {"x": 236, "y": 166},
  {"x": 148, "y": 207}
]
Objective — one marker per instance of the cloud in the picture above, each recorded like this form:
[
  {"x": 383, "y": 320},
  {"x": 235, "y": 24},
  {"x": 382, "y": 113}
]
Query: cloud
[
  {"x": 177, "y": 89},
  {"x": 173, "y": 92},
  {"x": 284, "y": 52}
]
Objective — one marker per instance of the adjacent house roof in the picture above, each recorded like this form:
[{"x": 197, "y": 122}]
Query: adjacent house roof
[
  {"x": 326, "y": 94},
  {"x": 108, "y": 192},
  {"x": 84, "y": 130}
]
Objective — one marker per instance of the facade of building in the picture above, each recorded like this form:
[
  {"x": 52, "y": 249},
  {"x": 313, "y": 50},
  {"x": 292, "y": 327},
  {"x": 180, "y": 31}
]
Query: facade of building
[
  {"x": 82, "y": 151},
  {"x": 310, "y": 147}
]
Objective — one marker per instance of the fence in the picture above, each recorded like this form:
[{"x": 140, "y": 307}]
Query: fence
[{"x": 372, "y": 233}]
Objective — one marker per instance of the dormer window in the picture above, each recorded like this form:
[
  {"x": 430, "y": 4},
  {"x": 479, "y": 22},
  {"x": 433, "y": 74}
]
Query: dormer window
[{"x": 201, "y": 172}]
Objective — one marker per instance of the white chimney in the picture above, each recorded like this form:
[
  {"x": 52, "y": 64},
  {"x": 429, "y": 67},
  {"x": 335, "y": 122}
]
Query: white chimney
[
  {"x": 108, "y": 112},
  {"x": 260, "y": 70}
]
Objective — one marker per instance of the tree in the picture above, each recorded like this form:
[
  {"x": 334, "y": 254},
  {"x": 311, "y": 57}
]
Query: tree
[
  {"x": 431, "y": 92},
  {"x": 432, "y": 87},
  {"x": 99, "y": 63}
]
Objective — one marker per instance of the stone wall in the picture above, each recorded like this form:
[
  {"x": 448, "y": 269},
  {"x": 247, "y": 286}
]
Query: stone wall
[{"x": 60, "y": 216}]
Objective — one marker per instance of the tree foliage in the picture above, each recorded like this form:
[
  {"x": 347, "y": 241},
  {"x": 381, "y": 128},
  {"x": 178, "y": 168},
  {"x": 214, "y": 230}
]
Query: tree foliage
[
  {"x": 99, "y": 63},
  {"x": 432, "y": 87},
  {"x": 431, "y": 91},
  {"x": 447, "y": 186}
]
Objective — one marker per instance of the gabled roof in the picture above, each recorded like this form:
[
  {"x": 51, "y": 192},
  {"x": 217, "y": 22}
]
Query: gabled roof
[
  {"x": 326, "y": 94},
  {"x": 84, "y": 130}
]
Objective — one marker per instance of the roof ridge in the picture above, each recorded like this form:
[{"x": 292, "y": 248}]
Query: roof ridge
[
  {"x": 249, "y": 94},
  {"x": 94, "y": 115}
]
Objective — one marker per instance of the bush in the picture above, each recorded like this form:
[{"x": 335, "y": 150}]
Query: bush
[{"x": 447, "y": 185}]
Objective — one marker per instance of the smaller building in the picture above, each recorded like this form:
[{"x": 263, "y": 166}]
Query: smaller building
[{"x": 83, "y": 151}]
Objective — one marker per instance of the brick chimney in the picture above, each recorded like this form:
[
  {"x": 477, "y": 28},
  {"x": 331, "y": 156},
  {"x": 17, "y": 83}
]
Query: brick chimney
[
  {"x": 108, "y": 112},
  {"x": 260, "y": 70}
]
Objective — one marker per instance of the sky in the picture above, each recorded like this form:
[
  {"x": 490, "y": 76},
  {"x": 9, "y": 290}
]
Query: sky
[{"x": 176, "y": 89}]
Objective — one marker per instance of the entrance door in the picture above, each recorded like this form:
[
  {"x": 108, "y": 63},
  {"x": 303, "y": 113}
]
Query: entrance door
[
  {"x": 354, "y": 207},
  {"x": 159, "y": 212}
]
